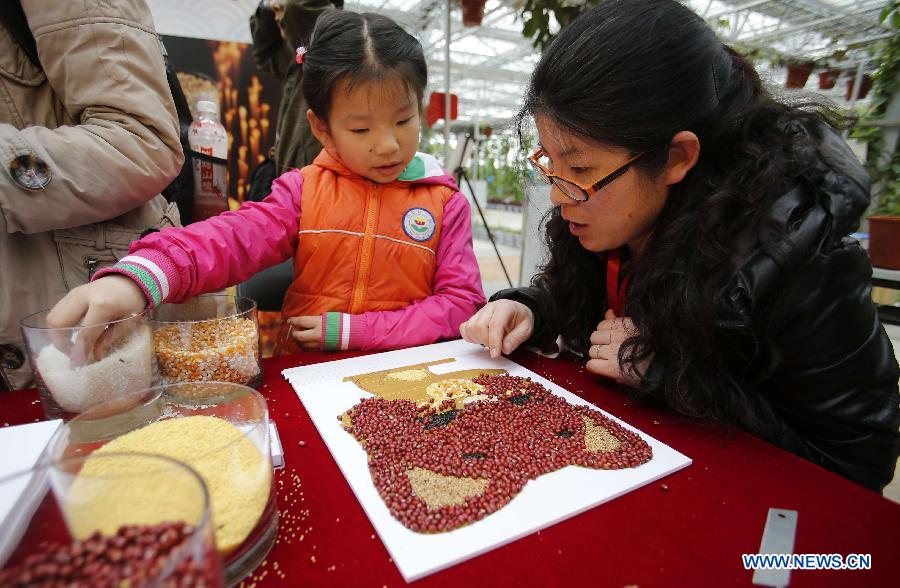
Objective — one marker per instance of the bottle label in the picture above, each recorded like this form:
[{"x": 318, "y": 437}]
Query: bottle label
[{"x": 210, "y": 187}]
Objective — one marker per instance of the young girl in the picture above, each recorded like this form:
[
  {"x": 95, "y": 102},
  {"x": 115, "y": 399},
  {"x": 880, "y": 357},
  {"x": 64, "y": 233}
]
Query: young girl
[
  {"x": 380, "y": 234},
  {"x": 700, "y": 249}
]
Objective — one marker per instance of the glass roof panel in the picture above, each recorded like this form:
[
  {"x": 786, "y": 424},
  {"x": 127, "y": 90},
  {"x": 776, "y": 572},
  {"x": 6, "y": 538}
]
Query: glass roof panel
[{"x": 490, "y": 64}]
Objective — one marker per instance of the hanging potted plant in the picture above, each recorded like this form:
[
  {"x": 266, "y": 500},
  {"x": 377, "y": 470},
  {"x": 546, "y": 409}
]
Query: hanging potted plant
[
  {"x": 884, "y": 224},
  {"x": 828, "y": 78},
  {"x": 882, "y": 160},
  {"x": 797, "y": 73},
  {"x": 863, "y": 88},
  {"x": 472, "y": 12},
  {"x": 884, "y": 238},
  {"x": 536, "y": 22}
]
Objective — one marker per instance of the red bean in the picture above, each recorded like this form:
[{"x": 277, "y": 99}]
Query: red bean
[
  {"x": 132, "y": 554},
  {"x": 515, "y": 435}
]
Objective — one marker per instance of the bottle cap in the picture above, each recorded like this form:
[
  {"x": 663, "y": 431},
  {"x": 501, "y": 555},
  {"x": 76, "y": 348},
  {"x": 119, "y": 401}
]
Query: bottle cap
[{"x": 207, "y": 106}]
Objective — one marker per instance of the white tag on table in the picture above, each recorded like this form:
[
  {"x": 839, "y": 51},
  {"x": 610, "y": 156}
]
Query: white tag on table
[
  {"x": 275, "y": 447},
  {"x": 778, "y": 537}
]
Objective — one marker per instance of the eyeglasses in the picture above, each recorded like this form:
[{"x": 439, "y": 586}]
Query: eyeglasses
[{"x": 576, "y": 190}]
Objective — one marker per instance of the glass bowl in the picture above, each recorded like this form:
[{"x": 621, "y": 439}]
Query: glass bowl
[
  {"x": 220, "y": 429},
  {"x": 111, "y": 520},
  {"x": 78, "y": 367},
  {"x": 214, "y": 337}
]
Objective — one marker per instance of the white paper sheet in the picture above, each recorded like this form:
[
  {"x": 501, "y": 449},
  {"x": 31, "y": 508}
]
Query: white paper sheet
[
  {"x": 543, "y": 502},
  {"x": 20, "y": 449}
]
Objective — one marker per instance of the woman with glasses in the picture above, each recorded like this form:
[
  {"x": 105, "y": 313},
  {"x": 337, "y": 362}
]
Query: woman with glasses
[{"x": 699, "y": 248}]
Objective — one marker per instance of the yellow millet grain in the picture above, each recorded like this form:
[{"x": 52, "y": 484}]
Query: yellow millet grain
[
  {"x": 408, "y": 375},
  {"x": 237, "y": 474},
  {"x": 438, "y": 490},
  {"x": 598, "y": 438},
  {"x": 124, "y": 490}
]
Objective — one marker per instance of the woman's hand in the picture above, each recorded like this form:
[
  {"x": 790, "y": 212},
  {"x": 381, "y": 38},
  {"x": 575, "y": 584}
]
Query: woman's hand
[
  {"x": 604, "y": 350},
  {"x": 501, "y": 326},
  {"x": 108, "y": 299},
  {"x": 307, "y": 331}
]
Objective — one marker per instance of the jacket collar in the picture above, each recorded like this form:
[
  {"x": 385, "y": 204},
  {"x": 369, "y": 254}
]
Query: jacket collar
[
  {"x": 808, "y": 219},
  {"x": 422, "y": 169}
]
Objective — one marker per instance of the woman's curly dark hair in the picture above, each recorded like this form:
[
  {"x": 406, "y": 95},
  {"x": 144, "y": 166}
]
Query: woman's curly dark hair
[{"x": 632, "y": 74}]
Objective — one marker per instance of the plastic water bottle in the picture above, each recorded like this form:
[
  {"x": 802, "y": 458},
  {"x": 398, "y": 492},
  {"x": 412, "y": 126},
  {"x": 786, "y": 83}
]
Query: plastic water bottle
[{"x": 208, "y": 137}]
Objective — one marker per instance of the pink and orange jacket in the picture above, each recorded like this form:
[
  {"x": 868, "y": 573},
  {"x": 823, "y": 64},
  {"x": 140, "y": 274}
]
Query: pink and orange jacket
[{"x": 385, "y": 265}]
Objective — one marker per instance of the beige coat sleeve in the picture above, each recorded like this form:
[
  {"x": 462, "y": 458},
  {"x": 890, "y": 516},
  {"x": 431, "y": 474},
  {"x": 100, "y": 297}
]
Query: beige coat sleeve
[{"x": 104, "y": 65}]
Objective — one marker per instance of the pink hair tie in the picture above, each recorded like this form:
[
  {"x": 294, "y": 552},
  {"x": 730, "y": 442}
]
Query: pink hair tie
[{"x": 301, "y": 51}]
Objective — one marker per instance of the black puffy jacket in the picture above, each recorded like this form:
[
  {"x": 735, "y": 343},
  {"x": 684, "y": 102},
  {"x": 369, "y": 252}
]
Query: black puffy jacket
[{"x": 827, "y": 388}]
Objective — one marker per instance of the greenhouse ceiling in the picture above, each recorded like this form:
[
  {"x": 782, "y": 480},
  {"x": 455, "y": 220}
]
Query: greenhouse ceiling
[{"x": 490, "y": 64}]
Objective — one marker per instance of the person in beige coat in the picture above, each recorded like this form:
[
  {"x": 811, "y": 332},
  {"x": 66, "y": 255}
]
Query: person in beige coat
[{"x": 88, "y": 139}]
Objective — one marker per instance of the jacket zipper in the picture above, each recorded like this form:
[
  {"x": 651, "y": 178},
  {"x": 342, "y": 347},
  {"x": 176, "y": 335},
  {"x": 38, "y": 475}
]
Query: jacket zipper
[
  {"x": 92, "y": 264},
  {"x": 365, "y": 261}
]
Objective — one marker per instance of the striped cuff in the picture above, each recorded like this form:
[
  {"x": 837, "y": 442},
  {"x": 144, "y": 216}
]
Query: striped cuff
[
  {"x": 341, "y": 332},
  {"x": 147, "y": 273}
]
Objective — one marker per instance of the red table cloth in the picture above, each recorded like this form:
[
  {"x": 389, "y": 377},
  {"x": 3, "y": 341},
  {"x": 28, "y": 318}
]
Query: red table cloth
[{"x": 688, "y": 529}]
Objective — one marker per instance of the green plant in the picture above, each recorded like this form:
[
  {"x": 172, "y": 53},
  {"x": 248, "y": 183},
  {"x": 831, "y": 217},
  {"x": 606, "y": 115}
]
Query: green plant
[
  {"x": 889, "y": 198},
  {"x": 753, "y": 54},
  {"x": 535, "y": 15},
  {"x": 884, "y": 168},
  {"x": 504, "y": 168}
]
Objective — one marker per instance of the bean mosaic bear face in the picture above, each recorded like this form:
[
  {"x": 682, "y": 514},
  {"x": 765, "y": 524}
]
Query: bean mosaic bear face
[{"x": 472, "y": 441}]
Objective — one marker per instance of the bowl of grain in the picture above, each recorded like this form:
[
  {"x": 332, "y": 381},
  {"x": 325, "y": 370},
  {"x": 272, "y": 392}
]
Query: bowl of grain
[
  {"x": 220, "y": 429},
  {"x": 78, "y": 367},
  {"x": 214, "y": 337},
  {"x": 111, "y": 520}
]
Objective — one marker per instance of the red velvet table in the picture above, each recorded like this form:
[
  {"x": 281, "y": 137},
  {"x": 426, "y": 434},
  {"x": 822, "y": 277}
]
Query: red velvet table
[{"x": 688, "y": 529}]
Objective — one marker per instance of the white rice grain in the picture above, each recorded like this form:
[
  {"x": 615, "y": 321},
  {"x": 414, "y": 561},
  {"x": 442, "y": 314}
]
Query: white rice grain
[{"x": 127, "y": 369}]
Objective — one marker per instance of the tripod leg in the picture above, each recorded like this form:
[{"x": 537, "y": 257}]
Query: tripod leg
[{"x": 461, "y": 175}]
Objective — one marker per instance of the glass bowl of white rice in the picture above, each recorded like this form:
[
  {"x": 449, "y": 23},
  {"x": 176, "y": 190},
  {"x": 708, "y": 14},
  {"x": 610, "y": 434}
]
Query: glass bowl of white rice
[{"x": 76, "y": 368}]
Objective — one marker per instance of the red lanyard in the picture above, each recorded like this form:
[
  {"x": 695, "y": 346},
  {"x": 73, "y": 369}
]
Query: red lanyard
[{"x": 615, "y": 290}]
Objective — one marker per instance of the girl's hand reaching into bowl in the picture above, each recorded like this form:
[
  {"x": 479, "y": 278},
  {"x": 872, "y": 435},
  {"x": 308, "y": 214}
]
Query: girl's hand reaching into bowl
[{"x": 111, "y": 298}]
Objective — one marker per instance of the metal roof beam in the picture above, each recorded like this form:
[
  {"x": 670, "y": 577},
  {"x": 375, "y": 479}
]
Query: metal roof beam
[
  {"x": 827, "y": 9},
  {"x": 485, "y": 25},
  {"x": 493, "y": 103},
  {"x": 793, "y": 29},
  {"x": 494, "y": 74},
  {"x": 823, "y": 50},
  {"x": 814, "y": 23},
  {"x": 795, "y": 11},
  {"x": 511, "y": 55},
  {"x": 734, "y": 9}
]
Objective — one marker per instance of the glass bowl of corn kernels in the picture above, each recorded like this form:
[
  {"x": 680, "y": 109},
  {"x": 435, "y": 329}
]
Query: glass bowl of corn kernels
[{"x": 214, "y": 337}]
